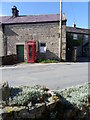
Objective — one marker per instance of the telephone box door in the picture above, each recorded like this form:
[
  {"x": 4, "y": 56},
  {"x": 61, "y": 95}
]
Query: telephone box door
[{"x": 31, "y": 51}]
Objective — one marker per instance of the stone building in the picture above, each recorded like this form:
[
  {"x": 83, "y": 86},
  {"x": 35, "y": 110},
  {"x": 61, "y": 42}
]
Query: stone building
[
  {"x": 16, "y": 30},
  {"x": 81, "y": 37},
  {"x": 1, "y": 41}
]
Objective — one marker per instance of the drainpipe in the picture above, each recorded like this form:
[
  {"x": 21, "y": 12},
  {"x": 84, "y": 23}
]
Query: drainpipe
[{"x": 60, "y": 32}]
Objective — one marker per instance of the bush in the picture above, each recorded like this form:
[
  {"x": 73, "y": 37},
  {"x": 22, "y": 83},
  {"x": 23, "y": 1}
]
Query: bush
[{"x": 47, "y": 61}]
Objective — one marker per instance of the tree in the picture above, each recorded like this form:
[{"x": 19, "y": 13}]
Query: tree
[
  {"x": 69, "y": 48},
  {"x": 71, "y": 43}
]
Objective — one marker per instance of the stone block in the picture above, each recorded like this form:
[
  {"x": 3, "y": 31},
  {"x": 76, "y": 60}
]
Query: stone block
[{"x": 4, "y": 90}]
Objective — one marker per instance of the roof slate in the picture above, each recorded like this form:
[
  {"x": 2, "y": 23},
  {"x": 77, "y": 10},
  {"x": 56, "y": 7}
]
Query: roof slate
[
  {"x": 31, "y": 18},
  {"x": 78, "y": 30}
]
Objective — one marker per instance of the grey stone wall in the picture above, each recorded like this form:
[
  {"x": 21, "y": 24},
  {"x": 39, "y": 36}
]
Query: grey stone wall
[
  {"x": 64, "y": 42},
  {"x": 89, "y": 46},
  {"x": 41, "y": 32},
  {"x": 1, "y": 41}
]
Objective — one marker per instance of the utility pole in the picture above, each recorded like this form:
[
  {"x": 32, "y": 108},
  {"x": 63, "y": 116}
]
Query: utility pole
[{"x": 60, "y": 32}]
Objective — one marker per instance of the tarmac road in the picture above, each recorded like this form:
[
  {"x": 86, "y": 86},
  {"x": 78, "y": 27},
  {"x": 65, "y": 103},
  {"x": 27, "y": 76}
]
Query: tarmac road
[{"x": 54, "y": 76}]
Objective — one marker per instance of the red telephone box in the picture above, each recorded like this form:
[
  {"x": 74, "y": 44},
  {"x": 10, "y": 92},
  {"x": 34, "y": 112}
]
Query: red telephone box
[{"x": 31, "y": 51}]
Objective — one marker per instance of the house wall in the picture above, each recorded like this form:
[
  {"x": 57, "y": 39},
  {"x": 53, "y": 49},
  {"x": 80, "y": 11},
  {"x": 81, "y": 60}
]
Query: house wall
[
  {"x": 1, "y": 41},
  {"x": 80, "y": 49},
  {"x": 89, "y": 46},
  {"x": 64, "y": 42},
  {"x": 48, "y": 33}
]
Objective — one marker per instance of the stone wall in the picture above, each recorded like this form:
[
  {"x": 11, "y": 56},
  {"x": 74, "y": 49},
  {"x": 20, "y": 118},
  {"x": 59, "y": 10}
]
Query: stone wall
[
  {"x": 68, "y": 104},
  {"x": 48, "y": 33},
  {"x": 1, "y": 44},
  {"x": 1, "y": 41},
  {"x": 9, "y": 60},
  {"x": 64, "y": 43},
  {"x": 89, "y": 46}
]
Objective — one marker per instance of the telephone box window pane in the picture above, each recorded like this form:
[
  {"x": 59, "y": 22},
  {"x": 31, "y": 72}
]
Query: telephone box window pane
[
  {"x": 30, "y": 52},
  {"x": 42, "y": 47}
]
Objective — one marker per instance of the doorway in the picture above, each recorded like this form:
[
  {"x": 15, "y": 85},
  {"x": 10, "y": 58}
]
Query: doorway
[{"x": 20, "y": 53}]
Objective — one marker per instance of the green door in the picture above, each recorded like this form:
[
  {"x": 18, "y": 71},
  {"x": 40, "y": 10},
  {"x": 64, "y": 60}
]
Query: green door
[{"x": 20, "y": 53}]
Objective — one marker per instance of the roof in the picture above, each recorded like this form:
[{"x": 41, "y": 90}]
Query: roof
[
  {"x": 78, "y": 30},
  {"x": 31, "y": 19}
]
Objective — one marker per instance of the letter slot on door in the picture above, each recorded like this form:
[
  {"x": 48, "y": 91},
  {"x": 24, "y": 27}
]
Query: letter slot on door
[{"x": 31, "y": 51}]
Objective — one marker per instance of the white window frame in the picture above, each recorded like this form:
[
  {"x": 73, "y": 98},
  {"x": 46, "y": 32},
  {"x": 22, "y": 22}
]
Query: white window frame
[
  {"x": 42, "y": 47},
  {"x": 75, "y": 36}
]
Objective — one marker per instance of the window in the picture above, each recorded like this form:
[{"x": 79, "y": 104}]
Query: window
[
  {"x": 42, "y": 47},
  {"x": 30, "y": 52},
  {"x": 75, "y": 36},
  {"x": 86, "y": 37}
]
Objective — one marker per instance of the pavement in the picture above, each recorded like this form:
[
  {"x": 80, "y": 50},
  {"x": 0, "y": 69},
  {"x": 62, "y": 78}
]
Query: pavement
[
  {"x": 83, "y": 59},
  {"x": 52, "y": 75}
]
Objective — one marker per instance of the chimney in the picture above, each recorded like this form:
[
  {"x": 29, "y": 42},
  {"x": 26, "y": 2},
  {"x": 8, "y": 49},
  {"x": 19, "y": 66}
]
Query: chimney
[
  {"x": 74, "y": 25},
  {"x": 15, "y": 11}
]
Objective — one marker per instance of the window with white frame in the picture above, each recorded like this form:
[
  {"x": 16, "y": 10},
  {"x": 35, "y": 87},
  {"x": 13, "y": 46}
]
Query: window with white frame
[
  {"x": 42, "y": 47},
  {"x": 75, "y": 36}
]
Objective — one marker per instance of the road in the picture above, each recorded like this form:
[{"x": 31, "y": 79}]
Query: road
[{"x": 54, "y": 76}]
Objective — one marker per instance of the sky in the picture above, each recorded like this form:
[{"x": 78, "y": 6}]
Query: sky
[{"x": 74, "y": 11}]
